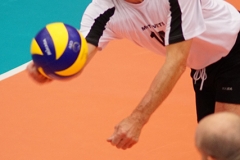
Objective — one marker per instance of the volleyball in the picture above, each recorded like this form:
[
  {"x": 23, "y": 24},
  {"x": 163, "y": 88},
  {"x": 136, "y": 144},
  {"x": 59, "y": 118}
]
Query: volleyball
[{"x": 59, "y": 51}]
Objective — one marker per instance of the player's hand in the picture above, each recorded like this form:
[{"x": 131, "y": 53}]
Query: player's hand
[
  {"x": 35, "y": 75},
  {"x": 126, "y": 133}
]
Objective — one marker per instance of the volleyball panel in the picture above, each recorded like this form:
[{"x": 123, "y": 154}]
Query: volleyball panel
[
  {"x": 45, "y": 43},
  {"x": 59, "y": 36},
  {"x": 78, "y": 47}
]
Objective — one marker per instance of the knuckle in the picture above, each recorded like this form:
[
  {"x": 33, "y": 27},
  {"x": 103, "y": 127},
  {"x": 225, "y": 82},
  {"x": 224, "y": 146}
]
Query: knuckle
[
  {"x": 135, "y": 140},
  {"x": 124, "y": 134}
]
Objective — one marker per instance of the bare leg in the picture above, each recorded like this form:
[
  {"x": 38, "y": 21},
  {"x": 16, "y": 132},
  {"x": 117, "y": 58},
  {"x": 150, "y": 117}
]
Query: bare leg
[{"x": 220, "y": 107}]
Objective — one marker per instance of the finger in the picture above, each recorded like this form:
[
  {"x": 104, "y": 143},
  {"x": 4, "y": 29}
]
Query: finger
[
  {"x": 34, "y": 73},
  {"x": 116, "y": 139},
  {"x": 30, "y": 64},
  {"x": 123, "y": 142},
  {"x": 130, "y": 143},
  {"x": 41, "y": 79},
  {"x": 110, "y": 139}
]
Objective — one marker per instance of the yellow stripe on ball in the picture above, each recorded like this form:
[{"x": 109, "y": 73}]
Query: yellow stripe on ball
[
  {"x": 80, "y": 61},
  {"x": 43, "y": 73},
  {"x": 35, "y": 49},
  {"x": 59, "y": 36}
]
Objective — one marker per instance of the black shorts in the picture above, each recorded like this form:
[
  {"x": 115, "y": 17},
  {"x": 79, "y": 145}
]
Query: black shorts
[{"x": 222, "y": 83}]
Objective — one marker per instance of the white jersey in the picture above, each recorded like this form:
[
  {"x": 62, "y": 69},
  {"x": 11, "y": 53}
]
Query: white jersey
[{"x": 212, "y": 24}]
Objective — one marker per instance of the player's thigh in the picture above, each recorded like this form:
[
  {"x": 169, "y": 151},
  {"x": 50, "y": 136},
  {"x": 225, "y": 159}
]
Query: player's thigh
[
  {"x": 228, "y": 107},
  {"x": 205, "y": 104}
]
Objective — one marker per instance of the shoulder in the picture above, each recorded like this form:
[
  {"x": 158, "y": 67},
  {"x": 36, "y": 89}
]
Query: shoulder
[
  {"x": 97, "y": 12},
  {"x": 98, "y": 8},
  {"x": 95, "y": 19},
  {"x": 97, "y": 5}
]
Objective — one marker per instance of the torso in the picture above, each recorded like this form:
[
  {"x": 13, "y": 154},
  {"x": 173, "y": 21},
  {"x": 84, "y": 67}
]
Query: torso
[{"x": 150, "y": 24}]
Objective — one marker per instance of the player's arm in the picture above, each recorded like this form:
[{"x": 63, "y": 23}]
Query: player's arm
[
  {"x": 128, "y": 130},
  {"x": 174, "y": 66},
  {"x": 92, "y": 49},
  {"x": 35, "y": 75},
  {"x": 181, "y": 29}
]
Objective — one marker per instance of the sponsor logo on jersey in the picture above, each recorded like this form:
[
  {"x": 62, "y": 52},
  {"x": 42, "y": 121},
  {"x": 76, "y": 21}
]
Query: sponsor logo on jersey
[{"x": 150, "y": 26}]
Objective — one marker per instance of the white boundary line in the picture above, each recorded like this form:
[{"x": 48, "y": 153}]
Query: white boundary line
[{"x": 13, "y": 71}]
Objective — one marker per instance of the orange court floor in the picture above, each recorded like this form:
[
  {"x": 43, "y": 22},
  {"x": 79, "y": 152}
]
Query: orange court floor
[{"x": 71, "y": 120}]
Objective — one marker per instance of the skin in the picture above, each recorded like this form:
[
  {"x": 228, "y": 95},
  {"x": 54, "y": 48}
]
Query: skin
[
  {"x": 134, "y": 1},
  {"x": 127, "y": 132},
  {"x": 223, "y": 127}
]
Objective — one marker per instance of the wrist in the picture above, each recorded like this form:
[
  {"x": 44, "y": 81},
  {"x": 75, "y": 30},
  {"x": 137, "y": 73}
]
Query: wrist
[{"x": 140, "y": 117}]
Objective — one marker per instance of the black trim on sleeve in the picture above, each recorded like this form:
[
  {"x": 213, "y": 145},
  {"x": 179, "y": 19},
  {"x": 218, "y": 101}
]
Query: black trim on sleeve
[
  {"x": 98, "y": 26},
  {"x": 176, "y": 32}
]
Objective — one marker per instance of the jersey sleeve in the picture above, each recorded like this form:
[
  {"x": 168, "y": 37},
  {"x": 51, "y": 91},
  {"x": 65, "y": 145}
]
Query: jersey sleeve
[
  {"x": 185, "y": 21},
  {"x": 94, "y": 23}
]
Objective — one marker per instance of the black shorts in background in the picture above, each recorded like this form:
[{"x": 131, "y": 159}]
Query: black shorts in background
[{"x": 222, "y": 83}]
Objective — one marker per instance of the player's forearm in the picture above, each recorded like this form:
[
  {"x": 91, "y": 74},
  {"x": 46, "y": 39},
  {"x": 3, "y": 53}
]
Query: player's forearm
[
  {"x": 91, "y": 51},
  {"x": 164, "y": 81},
  {"x": 160, "y": 88}
]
